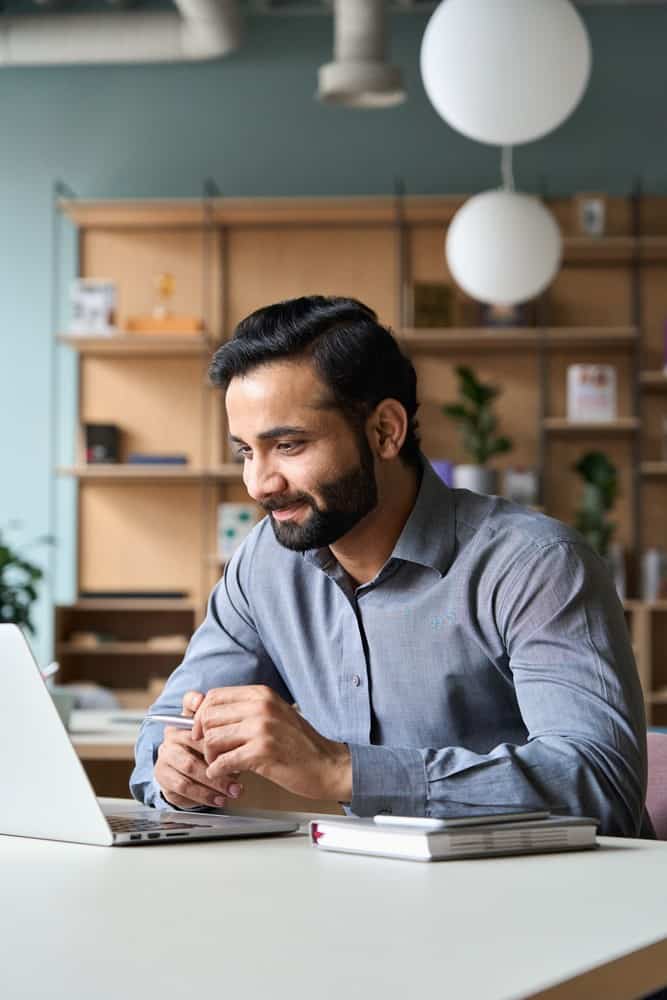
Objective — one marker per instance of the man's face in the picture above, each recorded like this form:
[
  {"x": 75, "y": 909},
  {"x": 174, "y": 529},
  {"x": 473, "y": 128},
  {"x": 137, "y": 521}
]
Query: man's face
[{"x": 303, "y": 463}]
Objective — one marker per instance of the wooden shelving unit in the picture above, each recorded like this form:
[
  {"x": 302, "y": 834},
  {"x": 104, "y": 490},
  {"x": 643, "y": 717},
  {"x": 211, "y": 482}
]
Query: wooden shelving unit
[
  {"x": 561, "y": 425},
  {"x": 138, "y": 345},
  {"x": 654, "y": 380},
  {"x": 650, "y": 469},
  {"x": 452, "y": 339},
  {"x": 228, "y": 472},
  {"x": 230, "y": 256}
]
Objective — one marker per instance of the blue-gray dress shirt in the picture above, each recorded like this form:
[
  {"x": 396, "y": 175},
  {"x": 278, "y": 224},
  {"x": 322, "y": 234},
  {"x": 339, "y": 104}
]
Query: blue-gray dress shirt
[{"x": 487, "y": 666}]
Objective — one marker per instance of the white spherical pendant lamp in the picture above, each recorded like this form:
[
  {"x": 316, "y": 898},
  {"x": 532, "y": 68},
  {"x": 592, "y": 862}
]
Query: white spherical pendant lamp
[
  {"x": 503, "y": 248},
  {"x": 505, "y": 72}
]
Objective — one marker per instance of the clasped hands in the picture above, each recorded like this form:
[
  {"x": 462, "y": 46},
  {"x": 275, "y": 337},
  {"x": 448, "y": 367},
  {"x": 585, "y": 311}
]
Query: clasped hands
[{"x": 248, "y": 728}]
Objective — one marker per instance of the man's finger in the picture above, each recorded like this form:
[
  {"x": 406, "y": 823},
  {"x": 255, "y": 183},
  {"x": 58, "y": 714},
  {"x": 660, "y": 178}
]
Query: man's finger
[
  {"x": 221, "y": 739},
  {"x": 213, "y": 716},
  {"x": 239, "y": 692},
  {"x": 241, "y": 758},
  {"x": 190, "y": 765},
  {"x": 191, "y": 702}
]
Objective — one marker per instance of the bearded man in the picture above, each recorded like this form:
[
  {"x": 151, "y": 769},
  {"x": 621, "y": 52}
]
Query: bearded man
[{"x": 448, "y": 652}]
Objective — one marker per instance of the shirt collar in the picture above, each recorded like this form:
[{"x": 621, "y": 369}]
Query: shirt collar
[{"x": 428, "y": 535}]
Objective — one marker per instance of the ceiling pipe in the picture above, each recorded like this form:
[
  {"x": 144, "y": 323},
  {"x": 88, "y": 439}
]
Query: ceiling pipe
[
  {"x": 359, "y": 77},
  {"x": 201, "y": 29}
]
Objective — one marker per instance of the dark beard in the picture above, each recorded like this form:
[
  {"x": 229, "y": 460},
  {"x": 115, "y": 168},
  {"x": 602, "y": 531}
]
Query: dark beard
[{"x": 346, "y": 501}]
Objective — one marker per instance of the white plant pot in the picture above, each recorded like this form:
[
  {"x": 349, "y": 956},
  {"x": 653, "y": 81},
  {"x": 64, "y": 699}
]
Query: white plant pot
[{"x": 476, "y": 478}]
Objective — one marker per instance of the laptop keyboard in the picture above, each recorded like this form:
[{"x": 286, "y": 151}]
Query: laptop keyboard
[{"x": 129, "y": 824}]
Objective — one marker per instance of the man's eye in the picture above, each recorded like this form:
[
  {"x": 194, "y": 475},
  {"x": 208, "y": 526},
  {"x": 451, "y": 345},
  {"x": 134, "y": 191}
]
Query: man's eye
[
  {"x": 242, "y": 452},
  {"x": 289, "y": 446}
]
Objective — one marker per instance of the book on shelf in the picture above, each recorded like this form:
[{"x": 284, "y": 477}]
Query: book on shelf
[
  {"x": 142, "y": 458},
  {"x": 416, "y": 839}
]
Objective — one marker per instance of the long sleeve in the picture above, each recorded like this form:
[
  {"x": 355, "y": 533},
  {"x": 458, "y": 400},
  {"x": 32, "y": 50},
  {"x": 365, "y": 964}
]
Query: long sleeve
[
  {"x": 578, "y": 693},
  {"x": 225, "y": 650}
]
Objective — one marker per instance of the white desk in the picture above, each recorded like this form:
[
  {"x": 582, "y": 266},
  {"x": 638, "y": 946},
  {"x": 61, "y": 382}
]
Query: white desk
[{"x": 258, "y": 920}]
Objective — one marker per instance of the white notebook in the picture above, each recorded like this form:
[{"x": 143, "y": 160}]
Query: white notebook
[{"x": 456, "y": 840}]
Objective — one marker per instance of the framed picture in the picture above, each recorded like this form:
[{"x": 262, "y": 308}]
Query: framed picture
[
  {"x": 93, "y": 304},
  {"x": 590, "y": 214},
  {"x": 431, "y": 304}
]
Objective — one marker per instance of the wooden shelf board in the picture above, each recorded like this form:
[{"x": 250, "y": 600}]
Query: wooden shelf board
[
  {"x": 229, "y": 472},
  {"x": 654, "y": 379},
  {"x": 656, "y": 697},
  {"x": 189, "y": 212},
  {"x": 129, "y": 604},
  {"x": 456, "y": 339},
  {"x": 598, "y": 249},
  {"x": 428, "y": 210},
  {"x": 653, "y": 469},
  {"x": 117, "y": 649},
  {"x": 624, "y": 425},
  {"x": 136, "y": 345},
  {"x": 593, "y": 336},
  {"x": 653, "y": 248}
]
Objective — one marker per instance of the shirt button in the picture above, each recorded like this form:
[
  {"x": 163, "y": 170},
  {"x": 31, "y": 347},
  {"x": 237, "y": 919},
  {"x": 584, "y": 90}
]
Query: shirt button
[{"x": 356, "y": 680}]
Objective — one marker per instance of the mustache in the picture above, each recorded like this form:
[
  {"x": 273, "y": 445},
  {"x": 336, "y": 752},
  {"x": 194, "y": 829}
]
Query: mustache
[{"x": 270, "y": 505}]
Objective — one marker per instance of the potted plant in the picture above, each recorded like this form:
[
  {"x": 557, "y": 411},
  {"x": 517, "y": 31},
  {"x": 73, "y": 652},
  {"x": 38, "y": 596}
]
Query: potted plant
[
  {"x": 19, "y": 579},
  {"x": 600, "y": 491},
  {"x": 479, "y": 426}
]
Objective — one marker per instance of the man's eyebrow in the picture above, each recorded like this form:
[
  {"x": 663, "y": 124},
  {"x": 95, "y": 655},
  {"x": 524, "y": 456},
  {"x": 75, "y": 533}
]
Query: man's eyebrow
[{"x": 275, "y": 432}]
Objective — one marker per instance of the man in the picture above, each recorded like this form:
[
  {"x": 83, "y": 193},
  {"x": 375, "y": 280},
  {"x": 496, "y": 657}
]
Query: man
[{"x": 448, "y": 652}]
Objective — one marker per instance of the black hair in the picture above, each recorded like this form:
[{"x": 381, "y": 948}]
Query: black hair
[{"x": 356, "y": 357}]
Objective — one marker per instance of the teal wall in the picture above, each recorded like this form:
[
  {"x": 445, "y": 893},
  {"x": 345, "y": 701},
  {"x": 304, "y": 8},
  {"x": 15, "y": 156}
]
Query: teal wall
[{"x": 250, "y": 122}]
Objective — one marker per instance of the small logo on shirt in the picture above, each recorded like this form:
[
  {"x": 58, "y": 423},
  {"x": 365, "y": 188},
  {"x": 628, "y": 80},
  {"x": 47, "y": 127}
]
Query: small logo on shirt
[{"x": 439, "y": 621}]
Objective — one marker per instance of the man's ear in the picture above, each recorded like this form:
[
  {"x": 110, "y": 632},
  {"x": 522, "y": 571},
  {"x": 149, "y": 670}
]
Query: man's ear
[{"x": 388, "y": 425}]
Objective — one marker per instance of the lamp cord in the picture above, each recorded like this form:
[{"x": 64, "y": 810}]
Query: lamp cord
[{"x": 506, "y": 168}]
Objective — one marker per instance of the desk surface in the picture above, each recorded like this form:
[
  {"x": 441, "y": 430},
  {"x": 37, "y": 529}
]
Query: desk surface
[{"x": 276, "y": 918}]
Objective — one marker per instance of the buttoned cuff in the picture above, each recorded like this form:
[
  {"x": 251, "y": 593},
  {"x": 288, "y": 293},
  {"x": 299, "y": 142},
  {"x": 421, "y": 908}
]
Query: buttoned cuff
[{"x": 387, "y": 779}]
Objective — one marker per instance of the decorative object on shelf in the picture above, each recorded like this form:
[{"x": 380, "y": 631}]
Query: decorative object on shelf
[
  {"x": 235, "y": 522},
  {"x": 165, "y": 286},
  {"x": 93, "y": 305},
  {"x": 520, "y": 485},
  {"x": 590, "y": 214},
  {"x": 654, "y": 575},
  {"x": 600, "y": 491},
  {"x": 431, "y": 304},
  {"x": 19, "y": 579},
  {"x": 478, "y": 425},
  {"x": 521, "y": 314},
  {"x": 143, "y": 458},
  {"x": 505, "y": 72},
  {"x": 162, "y": 320},
  {"x": 616, "y": 561},
  {"x": 102, "y": 443},
  {"x": 503, "y": 247},
  {"x": 444, "y": 469},
  {"x": 169, "y": 643},
  {"x": 591, "y": 393}
]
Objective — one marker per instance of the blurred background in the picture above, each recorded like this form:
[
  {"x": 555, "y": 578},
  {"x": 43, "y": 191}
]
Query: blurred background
[{"x": 168, "y": 168}]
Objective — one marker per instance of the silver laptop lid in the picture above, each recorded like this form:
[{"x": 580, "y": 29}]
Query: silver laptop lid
[{"x": 44, "y": 790}]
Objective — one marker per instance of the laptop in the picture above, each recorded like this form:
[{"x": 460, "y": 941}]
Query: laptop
[{"x": 44, "y": 789}]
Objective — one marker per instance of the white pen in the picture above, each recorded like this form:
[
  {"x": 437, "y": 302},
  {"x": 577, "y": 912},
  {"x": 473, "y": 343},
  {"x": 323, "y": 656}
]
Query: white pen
[
  {"x": 180, "y": 721},
  {"x": 50, "y": 670}
]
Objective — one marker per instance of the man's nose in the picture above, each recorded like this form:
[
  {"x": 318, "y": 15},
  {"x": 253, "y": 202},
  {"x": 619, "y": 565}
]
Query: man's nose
[{"x": 262, "y": 480}]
